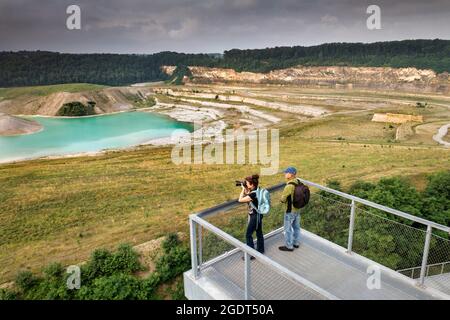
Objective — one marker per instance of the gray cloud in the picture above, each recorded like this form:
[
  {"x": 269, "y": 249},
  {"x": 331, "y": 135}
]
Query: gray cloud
[{"x": 143, "y": 26}]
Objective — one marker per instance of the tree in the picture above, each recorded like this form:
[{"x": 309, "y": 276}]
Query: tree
[{"x": 76, "y": 109}]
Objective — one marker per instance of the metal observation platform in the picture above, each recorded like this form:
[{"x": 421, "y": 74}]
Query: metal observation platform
[{"x": 350, "y": 248}]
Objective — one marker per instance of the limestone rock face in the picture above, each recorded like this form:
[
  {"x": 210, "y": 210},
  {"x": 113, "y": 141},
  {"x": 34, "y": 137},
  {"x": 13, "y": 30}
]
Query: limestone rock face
[
  {"x": 168, "y": 69},
  {"x": 407, "y": 79}
]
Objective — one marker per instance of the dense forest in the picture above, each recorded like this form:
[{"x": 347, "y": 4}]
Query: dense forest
[
  {"x": 26, "y": 68},
  {"x": 422, "y": 54}
]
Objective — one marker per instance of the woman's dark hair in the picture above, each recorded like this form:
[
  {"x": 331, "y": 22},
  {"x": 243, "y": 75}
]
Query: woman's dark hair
[{"x": 254, "y": 180}]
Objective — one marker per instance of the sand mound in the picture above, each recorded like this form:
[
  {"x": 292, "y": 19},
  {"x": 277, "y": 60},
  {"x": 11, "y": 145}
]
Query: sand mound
[
  {"x": 396, "y": 118},
  {"x": 10, "y": 125},
  {"x": 107, "y": 101}
]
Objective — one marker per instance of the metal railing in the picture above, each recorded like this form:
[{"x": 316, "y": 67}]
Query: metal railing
[
  {"x": 355, "y": 204},
  {"x": 441, "y": 267},
  {"x": 197, "y": 223}
]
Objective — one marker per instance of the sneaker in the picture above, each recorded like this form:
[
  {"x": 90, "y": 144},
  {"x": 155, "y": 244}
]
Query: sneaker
[
  {"x": 284, "y": 248},
  {"x": 296, "y": 246},
  {"x": 251, "y": 258}
]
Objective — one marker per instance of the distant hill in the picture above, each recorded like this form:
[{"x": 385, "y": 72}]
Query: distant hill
[
  {"x": 27, "y": 68},
  {"x": 421, "y": 54}
]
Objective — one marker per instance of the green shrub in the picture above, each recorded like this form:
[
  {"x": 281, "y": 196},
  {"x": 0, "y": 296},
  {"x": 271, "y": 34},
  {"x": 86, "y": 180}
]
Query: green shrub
[
  {"x": 149, "y": 286},
  {"x": 178, "y": 292},
  {"x": 107, "y": 275},
  {"x": 396, "y": 193},
  {"x": 54, "y": 271},
  {"x": 173, "y": 263},
  {"x": 175, "y": 259},
  {"x": 6, "y": 294},
  {"x": 436, "y": 198},
  {"x": 104, "y": 263},
  {"x": 76, "y": 109},
  {"x": 25, "y": 281},
  {"x": 115, "y": 287},
  {"x": 333, "y": 184},
  {"x": 49, "y": 289},
  {"x": 126, "y": 259},
  {"x": 171, "y": 241},
  {"x": 438, "y": 186},
  {"x": 361, "y": 189},
  {"x": 120, "y": 287},
  {"x": 97, "y": 266}
]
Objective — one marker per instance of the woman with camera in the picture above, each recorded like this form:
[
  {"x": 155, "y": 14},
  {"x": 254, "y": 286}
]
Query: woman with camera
[{"x": 248, "y": 195}]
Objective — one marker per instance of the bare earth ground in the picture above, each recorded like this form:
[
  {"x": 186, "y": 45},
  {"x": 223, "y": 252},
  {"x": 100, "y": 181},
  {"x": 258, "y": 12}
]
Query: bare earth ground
[
  {"x": 62, "y": 209},
  {"x": 10, "y": 125}
]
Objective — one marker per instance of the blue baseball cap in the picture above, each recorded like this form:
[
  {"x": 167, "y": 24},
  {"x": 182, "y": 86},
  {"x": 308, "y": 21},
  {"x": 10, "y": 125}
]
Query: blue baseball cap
[{"x": 290, "y": 170}]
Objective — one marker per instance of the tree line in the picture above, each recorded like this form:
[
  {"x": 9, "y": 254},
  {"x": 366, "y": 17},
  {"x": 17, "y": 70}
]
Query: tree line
[
  {"x": 25, "y": 68},
  {"x": 422, "y": 54}
]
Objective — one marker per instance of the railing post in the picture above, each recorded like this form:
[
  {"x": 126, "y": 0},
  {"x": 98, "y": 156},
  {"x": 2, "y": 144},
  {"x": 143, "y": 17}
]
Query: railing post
[
  {"x": 426, "y": 249},
  {"x": 351, "y": 227},
  {"x": 200, "y": 246},
  {"x": 193, "y": 235},
  {"x": 248, "y": 280}
]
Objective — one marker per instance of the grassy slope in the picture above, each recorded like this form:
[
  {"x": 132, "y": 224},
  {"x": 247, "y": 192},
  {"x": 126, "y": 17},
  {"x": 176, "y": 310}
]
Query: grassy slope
[
  {"x": 11, "y": 93},
  {"x": 62, "y": 209}
]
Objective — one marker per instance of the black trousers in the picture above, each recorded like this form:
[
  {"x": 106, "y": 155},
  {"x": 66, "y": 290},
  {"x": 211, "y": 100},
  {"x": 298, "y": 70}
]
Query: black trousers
[{"x": 254, "y": 225}]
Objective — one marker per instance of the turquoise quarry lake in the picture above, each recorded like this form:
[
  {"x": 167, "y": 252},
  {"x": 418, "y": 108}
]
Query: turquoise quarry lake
[{"x": 65, "y": 136}]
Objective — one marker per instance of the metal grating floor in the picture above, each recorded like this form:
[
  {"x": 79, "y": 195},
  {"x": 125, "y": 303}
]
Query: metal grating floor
[
  {"x": 440, "y": 282},
  {"x": 317, "y": 260}
]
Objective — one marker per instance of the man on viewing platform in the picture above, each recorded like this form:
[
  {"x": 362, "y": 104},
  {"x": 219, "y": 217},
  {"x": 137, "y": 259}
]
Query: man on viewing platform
[{"x": 292, "y": 214}]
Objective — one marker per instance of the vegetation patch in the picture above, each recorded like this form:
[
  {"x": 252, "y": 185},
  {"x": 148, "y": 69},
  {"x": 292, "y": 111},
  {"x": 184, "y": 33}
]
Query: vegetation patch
[
  {"x": 179, "y": 74},
  {"x": 76, "y": 109},
  {"x": 41, "y": 91},
  {"x": 106, "y": 276},
  {"x": 145, "y": 103}
]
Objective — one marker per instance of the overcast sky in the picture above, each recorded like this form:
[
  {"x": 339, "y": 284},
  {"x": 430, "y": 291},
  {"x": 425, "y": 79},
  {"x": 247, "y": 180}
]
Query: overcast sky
[{"x": 148, "y": 26}]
